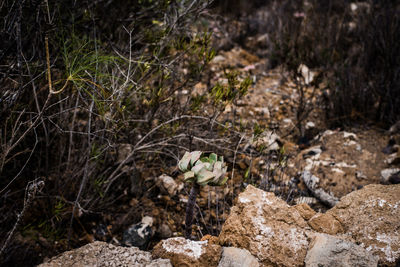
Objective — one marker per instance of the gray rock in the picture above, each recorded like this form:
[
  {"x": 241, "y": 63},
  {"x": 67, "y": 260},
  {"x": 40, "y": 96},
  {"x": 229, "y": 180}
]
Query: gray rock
[
  {"x": 101, "y": 254},
  {"x": 237, "y": 257},
  {"x": 138, "y": 235},
  {"x": 328, "y": 250}
]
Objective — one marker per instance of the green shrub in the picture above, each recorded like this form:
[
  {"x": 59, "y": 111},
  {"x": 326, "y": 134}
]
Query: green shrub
[{"x": 118, "y": 82}]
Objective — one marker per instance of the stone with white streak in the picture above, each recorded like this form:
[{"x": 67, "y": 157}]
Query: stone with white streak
[
  {"x": 270, "y": 229},
  {"x": 184, "y": 252}
]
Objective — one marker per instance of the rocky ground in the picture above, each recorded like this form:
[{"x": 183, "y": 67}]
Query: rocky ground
[
  {"x": 263, "y": 230},
  {"x": 338, "y": 214}
]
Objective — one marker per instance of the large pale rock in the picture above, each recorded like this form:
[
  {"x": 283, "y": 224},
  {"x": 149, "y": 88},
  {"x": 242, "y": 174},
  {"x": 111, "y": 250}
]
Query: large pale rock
[
  {"x": 371, "y": 216},
  {"x": 184, "y": 252},
  {"x": 99, "y": 254},
  {"x": 270, "y": 229},
  {"x": 327, "y": 250},
  {"x": 237, "y": 257}
]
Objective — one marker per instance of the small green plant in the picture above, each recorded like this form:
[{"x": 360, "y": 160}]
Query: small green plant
[
  {"x": 200, "y": 171},
  {"x": 234, "y": 89}
]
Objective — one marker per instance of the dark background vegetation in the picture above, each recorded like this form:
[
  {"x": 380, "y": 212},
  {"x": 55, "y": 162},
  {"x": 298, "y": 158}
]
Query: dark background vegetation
[{"x": 124, "y": 65}]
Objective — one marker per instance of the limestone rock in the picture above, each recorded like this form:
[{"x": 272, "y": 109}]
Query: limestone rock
[
  {"x": 101, "y": 254},
  {"x": 237, "y": 257},
  {"x": 184, "y": 252},
  {"x": 371, "y": 217},
  {"x": 327, "y": 250},
  {"x": 270, "y": 229}
]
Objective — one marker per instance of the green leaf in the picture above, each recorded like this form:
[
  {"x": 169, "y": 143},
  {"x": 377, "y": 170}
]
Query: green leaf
[
  {"x": 204, "y": 159},
  {"x": 246, "y": 174},
  {"x": 213, "y": 158},
  {"x": 204, "y": 177},
  {"x": 225, "y": 169},
  {"x": 188, "y": 175},
  {"x": 220, "y": 182},
  {"x": 209, "y": 166},
  {"x": 184, "y": 162},
  {"x": 218, "y": 165},
  {"x": 198, "y": 167},
  {"x": 190, "y": 180},
  {"x": 217, "y": 171},
  {"x": 223, "y": 181},
  {"x": 195, "y": 155}
]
